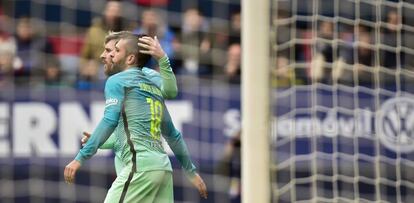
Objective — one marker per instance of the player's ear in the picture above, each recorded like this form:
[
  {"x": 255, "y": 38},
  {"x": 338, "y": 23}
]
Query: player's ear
[{"x": 131, "y": 59}]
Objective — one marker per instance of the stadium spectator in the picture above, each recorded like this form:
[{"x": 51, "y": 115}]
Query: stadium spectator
[
  {"x": 90, "y": 71},
  {"x": 8, "y": 60},
  {"x": 359, "y": 59},
  {"x": 364, "y": 64},
  {"x": 235, "y": 28},
  {"x": 153, "y": 24},
  {"x": 53, "y": 74},
  {"x": 233, "y": 66},
  {"x": 219, "y": 40},
  {"x": 320, "y": 70},
  {"x": 218, "y": 49},
  {"x": 7, "y": 53},
  {"x": 343, "y": 70},
  {"x": 194, "y": 46},
  {"x": 230, "y": 167},
  {"x": 408, "y": 55},
  {"x": 32, "y": 49},
  {"x": 282, "y": 74},
  {"x": 389, "y": 38}
]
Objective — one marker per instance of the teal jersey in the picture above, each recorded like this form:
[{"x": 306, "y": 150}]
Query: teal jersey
[
  {"x": 166, "y": 81},
  {"x": 136, "y": 113}
]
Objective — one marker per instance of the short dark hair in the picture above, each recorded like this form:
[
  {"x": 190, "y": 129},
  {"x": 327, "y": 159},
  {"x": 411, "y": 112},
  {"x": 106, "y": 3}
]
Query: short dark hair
[{"x": 142, "y": 58}]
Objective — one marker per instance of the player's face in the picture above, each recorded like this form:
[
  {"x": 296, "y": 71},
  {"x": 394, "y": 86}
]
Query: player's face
[
  {"x": 105, "y": 57},
  {"x": 118, "y": 56}
]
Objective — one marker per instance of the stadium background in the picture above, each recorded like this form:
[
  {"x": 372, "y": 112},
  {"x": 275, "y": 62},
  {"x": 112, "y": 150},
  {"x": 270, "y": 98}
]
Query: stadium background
[{"x": 350, "y": 59}]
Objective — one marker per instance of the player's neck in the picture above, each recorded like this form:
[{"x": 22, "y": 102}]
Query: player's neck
[{"x": 133, "y": 68}]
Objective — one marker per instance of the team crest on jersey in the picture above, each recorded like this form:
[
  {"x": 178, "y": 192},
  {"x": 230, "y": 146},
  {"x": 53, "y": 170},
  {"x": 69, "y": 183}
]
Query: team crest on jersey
[
  {"x": 111, "y": 101},
  {"x": 395, "y": 124}
]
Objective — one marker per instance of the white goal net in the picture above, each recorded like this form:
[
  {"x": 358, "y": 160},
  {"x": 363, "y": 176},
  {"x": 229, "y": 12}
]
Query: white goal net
[{"x": 344, "y": 107}]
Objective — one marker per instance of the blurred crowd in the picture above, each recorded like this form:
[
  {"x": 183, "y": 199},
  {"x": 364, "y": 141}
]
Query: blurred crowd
[
  {"x": 321, "y": 51},
  {"x": 29, "y": 56},
  {"x": 369, "y": 48}
]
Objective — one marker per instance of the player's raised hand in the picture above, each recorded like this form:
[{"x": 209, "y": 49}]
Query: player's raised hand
[
  {"x": 151, "y": 46},
  {"x": 198, "y": 182},
  {"x": 85, "y": 138},
  {"x": 70, "y": 171}
]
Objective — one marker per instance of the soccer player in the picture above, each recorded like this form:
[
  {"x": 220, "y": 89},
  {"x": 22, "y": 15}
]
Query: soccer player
[
  {"x": 165, "y": 80},
  {"x": 135, "y": 110}
]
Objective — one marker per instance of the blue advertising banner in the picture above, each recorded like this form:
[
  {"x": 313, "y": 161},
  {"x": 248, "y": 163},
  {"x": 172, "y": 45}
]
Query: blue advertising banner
[
  {"x": 374, "y": 121},
  {"x": 320, "y": 129},
  {"x": 49, "y": 122}
]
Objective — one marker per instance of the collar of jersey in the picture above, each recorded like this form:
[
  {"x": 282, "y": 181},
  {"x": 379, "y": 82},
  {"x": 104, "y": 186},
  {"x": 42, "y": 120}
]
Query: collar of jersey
[{"x": 134, "y": 69}]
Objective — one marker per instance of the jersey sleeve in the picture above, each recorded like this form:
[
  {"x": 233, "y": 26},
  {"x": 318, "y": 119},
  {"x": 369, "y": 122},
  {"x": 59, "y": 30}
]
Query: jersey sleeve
[
  {"x": 177, "y": 144},
  {"x": 113, "y": 105},
  {"x": 169, "y": 82},
  {"x": 165, "y": 79}
]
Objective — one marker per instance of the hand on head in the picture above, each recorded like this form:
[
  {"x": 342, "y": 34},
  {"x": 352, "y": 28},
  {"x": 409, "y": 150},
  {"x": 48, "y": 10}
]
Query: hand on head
[{"x": 151, "y": 46}]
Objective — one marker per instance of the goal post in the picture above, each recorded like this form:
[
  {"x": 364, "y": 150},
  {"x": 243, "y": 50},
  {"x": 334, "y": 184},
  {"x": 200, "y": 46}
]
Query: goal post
[{"x": 255, "y": 101}]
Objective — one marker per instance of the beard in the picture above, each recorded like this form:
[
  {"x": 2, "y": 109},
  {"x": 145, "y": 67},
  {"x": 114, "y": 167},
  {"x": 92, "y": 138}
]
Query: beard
[
  {"x": 113, "y": 68},
  {"x": 108, "y": 69}
]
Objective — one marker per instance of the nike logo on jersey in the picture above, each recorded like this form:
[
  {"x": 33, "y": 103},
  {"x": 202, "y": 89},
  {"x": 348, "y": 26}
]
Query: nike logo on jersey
[{"x": 111, "y": 101}]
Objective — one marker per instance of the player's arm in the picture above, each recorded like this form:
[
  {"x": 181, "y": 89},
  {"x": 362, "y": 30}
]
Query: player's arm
[
  {"x": 108, "y": 144},
  {"x": 114, "y": 98},
  {"x": 114, "y": 95},
  {"x": 179, "y": 147},
  {"x": 168, "y": 84},
  {"x": 176, "y": 142}
]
